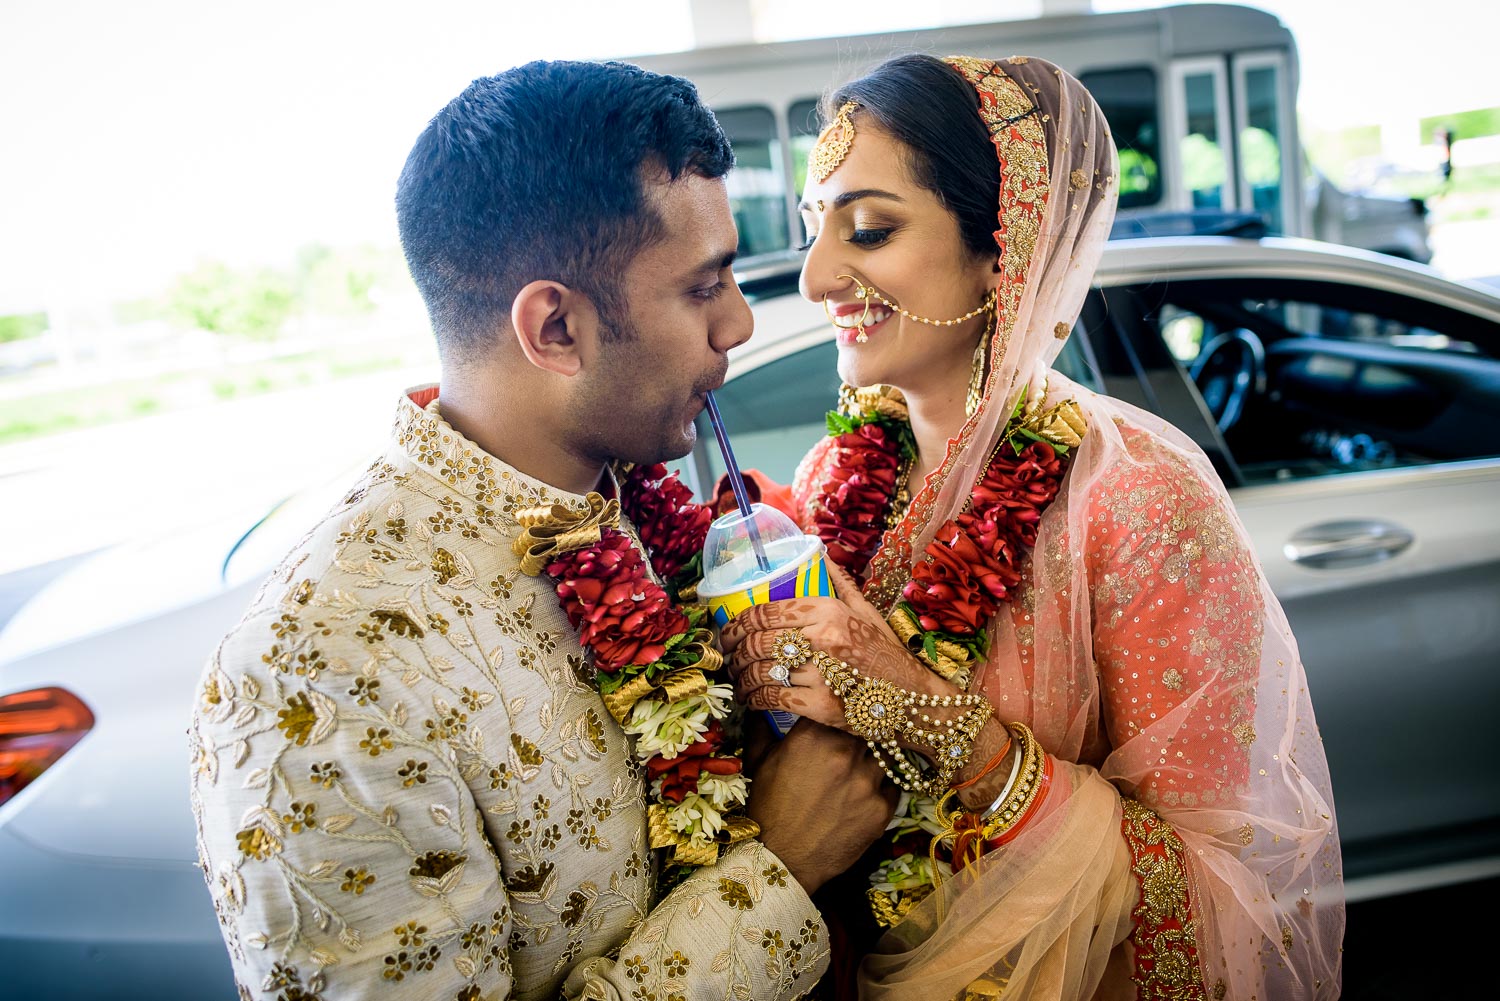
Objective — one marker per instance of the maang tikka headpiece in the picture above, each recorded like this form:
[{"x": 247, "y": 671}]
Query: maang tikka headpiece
[{"x": 833, "y": 145}]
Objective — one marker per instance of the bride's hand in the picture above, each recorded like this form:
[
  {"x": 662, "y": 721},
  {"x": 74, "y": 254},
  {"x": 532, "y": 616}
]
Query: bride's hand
[{"x": 848, "y": 627}]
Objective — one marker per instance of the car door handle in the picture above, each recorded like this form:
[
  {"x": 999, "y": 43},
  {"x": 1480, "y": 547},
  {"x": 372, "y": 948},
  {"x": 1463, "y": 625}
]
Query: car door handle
[{"x": 1334, "y": 545}]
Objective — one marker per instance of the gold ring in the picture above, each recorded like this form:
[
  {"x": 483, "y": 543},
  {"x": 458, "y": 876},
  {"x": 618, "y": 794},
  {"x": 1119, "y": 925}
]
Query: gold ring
[{"x": 791, "y": 651}]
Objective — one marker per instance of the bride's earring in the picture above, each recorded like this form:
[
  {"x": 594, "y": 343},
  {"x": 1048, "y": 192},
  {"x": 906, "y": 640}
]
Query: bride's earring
[{"x": 976, "y": 374}]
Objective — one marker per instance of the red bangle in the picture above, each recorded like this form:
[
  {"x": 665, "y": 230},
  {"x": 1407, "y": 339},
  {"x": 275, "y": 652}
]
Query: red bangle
[{"x": 1041, "y": 793}]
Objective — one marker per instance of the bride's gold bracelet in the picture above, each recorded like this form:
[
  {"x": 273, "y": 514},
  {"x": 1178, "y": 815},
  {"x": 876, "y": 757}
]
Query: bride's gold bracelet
[
  {"x": 1016, "y": 799},
  {"x": 884, "y": 714}
]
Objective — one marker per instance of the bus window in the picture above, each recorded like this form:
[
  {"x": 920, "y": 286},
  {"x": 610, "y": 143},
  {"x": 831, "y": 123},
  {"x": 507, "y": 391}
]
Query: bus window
[
  {"x": 757, "y": 193},
  {"x": 1128, "y": 100},
  {"x": 1261, "y": 144},
  {"x": 1203, "y": 164}
]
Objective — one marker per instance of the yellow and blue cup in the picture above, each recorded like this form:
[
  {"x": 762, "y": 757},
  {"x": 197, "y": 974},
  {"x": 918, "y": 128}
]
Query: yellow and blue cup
[
  {"x": 733, "y": 579},
  {"x": 809, "y": 579}
]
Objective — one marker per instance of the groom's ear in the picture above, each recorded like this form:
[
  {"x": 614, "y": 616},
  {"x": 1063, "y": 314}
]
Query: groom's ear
[{"x": 553, "y": 324}]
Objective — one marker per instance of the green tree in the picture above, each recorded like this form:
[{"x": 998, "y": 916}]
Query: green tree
[
  {"x": 341, "y": 281},
  {"x": 20, "y": 326},
  {"x": 1260, "y": 158},
  {"x": 222, "y": 300}
]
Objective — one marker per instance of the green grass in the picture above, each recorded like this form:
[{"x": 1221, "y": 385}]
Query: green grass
[
  {"x": 1465, "y": 124},
  {"x": 1473, "y": 193}
]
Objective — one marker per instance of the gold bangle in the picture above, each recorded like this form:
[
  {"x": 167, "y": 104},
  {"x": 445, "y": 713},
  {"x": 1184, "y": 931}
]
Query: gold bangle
[
  {"x": 1006, "y": 813},
  {"x": 881, "y": 713}
]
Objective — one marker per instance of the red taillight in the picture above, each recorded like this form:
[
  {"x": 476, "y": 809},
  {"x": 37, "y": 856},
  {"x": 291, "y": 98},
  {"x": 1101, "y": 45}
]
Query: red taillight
[{"x": 37, "y": 728}]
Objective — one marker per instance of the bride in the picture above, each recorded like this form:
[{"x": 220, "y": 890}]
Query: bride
[{"x": 1051, "y": 629}]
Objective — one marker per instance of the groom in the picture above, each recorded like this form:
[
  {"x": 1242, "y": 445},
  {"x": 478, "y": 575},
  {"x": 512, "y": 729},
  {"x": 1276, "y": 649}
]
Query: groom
[{"x": 406, "y": 781}]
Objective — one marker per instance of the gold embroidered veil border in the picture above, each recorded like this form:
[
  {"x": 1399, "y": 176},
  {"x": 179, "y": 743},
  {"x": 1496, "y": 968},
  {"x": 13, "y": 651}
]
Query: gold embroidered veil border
[{"x": 1021, "y": 158}]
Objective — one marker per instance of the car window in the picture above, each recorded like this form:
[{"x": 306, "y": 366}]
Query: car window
[
  {"x": 1316, "y": 378},
  {"x": 777, "y": 411},
  {"x": 774, "y": 413}
]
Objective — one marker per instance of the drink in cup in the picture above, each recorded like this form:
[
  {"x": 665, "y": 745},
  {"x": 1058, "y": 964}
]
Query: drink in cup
[{"x": 749, "y": 561}]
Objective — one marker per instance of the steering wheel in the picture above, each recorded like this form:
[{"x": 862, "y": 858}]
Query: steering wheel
[{"x": 1227, "y": 370}]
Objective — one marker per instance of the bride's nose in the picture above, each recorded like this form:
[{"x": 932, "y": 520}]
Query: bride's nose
[{"x": 822, "y": 276}]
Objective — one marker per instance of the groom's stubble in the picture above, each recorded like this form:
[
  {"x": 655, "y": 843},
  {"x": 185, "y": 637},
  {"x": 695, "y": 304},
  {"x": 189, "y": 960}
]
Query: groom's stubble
[{"x": 668, "y": 345}]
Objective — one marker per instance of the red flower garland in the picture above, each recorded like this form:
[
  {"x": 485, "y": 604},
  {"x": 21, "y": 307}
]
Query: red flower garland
[
  {"x": 672, "y": 526},
  {"x": 679, "y": 776},
  {"x": 622, "y": 616},
  {"x": 972, "y": 564},
  {"x": 855, "y": 496},
  {"x": 628, "y": 622}
]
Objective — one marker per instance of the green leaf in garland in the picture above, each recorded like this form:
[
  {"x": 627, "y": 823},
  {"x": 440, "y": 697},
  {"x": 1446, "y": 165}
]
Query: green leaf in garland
[
  {"x": 677, "y": 657},
  {"x": 690, "y": 574},
  {"x": 905, "y": 439},
  {"x": 841, "y": 424},
  {"x": 978, "y": 645},
  {"x": 609, "y": 682}
]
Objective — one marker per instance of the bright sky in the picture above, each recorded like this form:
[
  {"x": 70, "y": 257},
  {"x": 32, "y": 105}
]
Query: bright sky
[{"x": 140, "y": 137}]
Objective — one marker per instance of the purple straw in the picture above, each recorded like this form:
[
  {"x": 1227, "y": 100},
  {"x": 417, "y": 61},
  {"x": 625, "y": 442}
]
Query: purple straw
[{"x": 736, "y": 481}]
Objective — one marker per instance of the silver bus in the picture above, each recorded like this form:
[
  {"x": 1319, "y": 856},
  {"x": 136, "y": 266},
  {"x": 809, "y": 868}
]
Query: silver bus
[{"x": 1201, "y": 100}]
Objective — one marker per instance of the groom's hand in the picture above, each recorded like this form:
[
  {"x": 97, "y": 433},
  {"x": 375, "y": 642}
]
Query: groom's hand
[{"x": 820, "y": 800}]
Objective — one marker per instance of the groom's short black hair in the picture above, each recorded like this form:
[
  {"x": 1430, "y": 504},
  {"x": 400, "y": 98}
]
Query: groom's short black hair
[{"x": 537, "y": 173}]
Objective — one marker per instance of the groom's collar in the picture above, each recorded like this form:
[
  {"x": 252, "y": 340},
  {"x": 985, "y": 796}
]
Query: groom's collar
[{"x": 432, "y": 443}]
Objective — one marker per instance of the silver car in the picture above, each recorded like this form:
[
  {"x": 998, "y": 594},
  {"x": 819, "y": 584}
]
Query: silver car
[{"x": 1348, "y": 400}]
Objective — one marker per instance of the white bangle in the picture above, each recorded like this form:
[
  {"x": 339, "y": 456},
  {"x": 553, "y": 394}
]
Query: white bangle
[{"x": 1010, "y": 783}]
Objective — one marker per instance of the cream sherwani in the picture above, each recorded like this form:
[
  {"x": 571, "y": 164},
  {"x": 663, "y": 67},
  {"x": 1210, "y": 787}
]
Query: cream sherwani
[{"x": 406, "y": 785}]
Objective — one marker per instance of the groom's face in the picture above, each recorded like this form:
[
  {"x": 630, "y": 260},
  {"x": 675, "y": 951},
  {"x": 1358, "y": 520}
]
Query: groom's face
[{"x": 684, "y": 313}]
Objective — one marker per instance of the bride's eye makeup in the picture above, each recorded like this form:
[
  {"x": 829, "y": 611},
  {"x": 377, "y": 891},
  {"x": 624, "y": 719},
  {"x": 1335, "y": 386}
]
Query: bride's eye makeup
[
  {"x": 870, "y": 237},
  {"x": 867, "y": 235}
]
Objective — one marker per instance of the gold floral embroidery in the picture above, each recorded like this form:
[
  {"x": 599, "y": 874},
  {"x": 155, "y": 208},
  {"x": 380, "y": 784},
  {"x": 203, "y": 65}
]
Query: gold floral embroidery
[
  {"x": 297, "y": 719},
  {"x": 735, "y": 893},
  {"x": 356, "y": 881},
  {"x": 444, "y": 566},
  {"x": 526, "y": 751},
  {"x": 435, "y": 865},
  {"x": 1166, "y": 953},
  {"x": 258, "y": 842}
]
